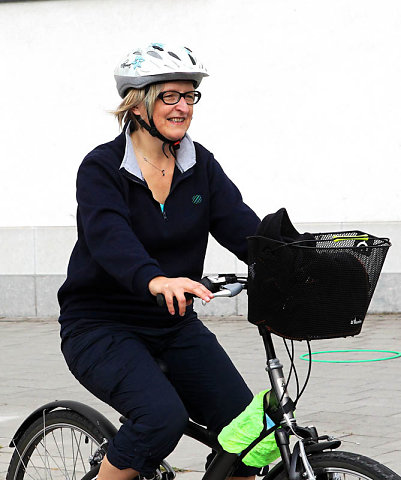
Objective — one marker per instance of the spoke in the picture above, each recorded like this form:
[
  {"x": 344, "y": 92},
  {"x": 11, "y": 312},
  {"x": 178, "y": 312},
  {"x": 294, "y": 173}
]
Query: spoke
[
  {"x": 24, "y": 466},
  {"x": 62, "y": 443},
  {"x": 48, "y": 457},
  {"x": 76, "y": 454},
  {"x": 38, "y": 454},
  {"x": 73, "y": 456},
  {"x": 46, "y": 461},
  {"x": 80, "y": 453},
  {"x": 62, "y": 455},
  {"x": 72, "y": 452}
]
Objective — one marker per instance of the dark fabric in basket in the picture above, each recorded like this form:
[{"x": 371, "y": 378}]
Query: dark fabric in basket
[{"x": 278, "y": 226}]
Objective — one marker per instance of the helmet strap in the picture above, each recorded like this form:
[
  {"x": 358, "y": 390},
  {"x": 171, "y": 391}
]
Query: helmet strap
[{"x": 173, "y": 145}]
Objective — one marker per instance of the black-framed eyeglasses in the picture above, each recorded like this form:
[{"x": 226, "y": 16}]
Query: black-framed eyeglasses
[{"x": 171, "y": 97}]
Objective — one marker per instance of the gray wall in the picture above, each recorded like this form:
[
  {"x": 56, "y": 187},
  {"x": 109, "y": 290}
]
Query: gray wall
[{"x": 33, "y": 263}]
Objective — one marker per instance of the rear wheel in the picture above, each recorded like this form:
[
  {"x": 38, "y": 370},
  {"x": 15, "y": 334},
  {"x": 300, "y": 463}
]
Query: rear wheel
[
  {"x": 61, "y": 445},
  {"x": 346, "y": 466}
]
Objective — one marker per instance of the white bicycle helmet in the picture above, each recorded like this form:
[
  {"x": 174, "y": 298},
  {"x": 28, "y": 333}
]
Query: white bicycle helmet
[{"x": 157, "y": 62}]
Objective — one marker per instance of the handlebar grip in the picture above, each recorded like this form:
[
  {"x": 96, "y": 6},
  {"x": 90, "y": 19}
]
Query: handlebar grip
[
  {"x": 206, "y": 282},
  {"x": 161, "y": 300}
]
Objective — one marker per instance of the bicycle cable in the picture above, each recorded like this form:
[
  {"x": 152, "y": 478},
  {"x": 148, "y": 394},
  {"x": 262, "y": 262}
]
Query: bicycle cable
[
  {"x": 307, "y": 375},
  {"x": 291, "y": 357},
  {"x": 293, "y": 368}
]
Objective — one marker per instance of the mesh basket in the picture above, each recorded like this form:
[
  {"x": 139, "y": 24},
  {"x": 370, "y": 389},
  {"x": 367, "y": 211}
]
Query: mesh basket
[{"x": 314, "y": 289}]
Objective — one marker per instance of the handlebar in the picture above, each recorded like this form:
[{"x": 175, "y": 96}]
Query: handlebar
[{"x": 221, "y": 285}]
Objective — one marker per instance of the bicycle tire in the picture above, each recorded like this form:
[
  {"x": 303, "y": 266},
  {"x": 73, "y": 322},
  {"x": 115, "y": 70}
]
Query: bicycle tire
[
  {"x": 338, "y": 465},
  {"x": 57, "y": 447}
]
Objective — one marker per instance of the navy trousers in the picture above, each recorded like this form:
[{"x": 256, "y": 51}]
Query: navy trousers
[{"x": 116, "y": 362}]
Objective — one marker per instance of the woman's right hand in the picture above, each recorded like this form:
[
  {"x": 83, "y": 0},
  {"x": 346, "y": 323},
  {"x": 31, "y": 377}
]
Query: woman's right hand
[{"x": 176, "y": 288}]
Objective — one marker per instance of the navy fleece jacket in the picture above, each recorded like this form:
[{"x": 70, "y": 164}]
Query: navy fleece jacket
[{"x": 124, "y": 239}]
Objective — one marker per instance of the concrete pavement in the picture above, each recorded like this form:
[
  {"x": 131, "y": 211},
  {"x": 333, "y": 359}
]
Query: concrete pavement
[{"x": 360, "y": 403}]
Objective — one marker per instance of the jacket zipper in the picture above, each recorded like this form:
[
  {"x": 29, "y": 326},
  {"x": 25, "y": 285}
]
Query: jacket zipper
[
  {"x": 173, "y": 186},
  {"x": 179, "y": 180}
]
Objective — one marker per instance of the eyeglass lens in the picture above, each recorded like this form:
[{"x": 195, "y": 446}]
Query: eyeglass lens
[{"x": 172, "y": 97}]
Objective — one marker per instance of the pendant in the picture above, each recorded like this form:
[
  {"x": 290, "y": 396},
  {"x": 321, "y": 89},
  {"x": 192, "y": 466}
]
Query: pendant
[{"x": 163, "y": 172}]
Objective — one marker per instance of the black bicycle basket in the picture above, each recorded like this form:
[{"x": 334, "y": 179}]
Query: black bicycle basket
[{"x": 314, "y": 289}]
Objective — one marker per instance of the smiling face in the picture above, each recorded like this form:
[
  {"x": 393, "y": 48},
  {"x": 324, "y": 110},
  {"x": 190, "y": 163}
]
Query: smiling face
[{"x": 172, "y": 121}]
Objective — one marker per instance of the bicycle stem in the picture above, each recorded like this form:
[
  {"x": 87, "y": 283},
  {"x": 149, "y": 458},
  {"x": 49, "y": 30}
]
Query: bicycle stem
[{"x": 277, "y": 380}]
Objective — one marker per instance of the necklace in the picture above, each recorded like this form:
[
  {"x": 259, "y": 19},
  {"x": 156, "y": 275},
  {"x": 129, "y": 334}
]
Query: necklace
[{"x": 163, "y": 170}]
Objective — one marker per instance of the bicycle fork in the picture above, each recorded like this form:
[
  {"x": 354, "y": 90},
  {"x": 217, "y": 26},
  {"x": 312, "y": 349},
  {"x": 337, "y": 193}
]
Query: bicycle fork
[
  {"x": 280, "y": 408},
  {"x": 281, "y": 405}
]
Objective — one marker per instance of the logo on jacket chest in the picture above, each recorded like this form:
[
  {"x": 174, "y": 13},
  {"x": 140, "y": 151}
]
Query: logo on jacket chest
[{"x": 197, "y": 199}]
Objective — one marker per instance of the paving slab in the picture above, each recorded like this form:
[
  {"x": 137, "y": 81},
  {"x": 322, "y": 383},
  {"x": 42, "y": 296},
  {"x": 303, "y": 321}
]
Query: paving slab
[{"x": 360, "y": 403}]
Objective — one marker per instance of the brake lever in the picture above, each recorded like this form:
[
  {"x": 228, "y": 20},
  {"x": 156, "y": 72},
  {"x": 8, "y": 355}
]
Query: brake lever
[{"x": 229, "y": 290}]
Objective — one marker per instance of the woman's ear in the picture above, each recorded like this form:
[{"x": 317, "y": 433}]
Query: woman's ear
[{"x": 135, "y": 111}]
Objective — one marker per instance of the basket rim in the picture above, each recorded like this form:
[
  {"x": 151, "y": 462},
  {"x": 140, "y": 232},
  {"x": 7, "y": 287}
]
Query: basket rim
[{"x": 384, "y": 242}]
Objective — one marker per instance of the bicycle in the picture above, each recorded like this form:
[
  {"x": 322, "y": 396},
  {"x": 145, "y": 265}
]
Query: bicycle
[{"x": 68, "y": 440}]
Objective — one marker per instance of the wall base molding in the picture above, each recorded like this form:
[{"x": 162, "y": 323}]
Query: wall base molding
[{"x": 36, "y": 296}]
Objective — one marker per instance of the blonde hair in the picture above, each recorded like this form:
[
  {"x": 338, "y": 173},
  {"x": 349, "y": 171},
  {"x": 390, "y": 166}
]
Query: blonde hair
[{"x": 132, "y": 99}]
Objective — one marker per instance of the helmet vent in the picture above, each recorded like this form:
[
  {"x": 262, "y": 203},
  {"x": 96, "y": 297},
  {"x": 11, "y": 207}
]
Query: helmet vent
[
  {"x": 157, "y": 47},
  {"x": 154, "y": 54},
  {"x": 137, "y": 52},
  {"x": 174, "y": 55},
  {"x": 192, "y": 59}
]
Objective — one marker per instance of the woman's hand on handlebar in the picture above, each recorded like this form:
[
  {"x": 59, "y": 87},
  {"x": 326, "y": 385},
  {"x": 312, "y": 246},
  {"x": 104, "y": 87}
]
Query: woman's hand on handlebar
[{"x": 176, "y": 288}]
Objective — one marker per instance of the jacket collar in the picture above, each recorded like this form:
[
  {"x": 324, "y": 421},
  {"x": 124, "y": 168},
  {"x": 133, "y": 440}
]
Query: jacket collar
[{"x": 186, "y": 156}]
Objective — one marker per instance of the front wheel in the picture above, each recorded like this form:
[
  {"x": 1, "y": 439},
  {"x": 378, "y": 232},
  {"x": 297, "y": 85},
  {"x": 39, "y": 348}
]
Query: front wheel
[
  {"x": 345, "y": 466},
  {"x": 63, "y": 445}
]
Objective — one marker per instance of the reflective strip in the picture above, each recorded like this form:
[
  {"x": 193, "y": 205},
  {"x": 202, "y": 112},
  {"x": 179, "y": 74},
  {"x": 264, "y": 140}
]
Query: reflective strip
[{"x": 362, "y": 238}]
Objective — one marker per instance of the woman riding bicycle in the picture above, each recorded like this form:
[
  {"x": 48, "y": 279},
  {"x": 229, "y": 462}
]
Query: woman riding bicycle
[{"x": 147, "y": 202}]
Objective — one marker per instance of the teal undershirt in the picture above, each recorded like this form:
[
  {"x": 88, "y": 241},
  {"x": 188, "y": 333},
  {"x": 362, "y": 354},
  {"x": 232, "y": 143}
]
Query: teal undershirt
[{"x": 162, "y": 207}]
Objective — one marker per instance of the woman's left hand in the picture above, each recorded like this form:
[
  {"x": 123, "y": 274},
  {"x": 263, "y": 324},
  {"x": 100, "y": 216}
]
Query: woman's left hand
[{"x": 176, "y": 288}]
